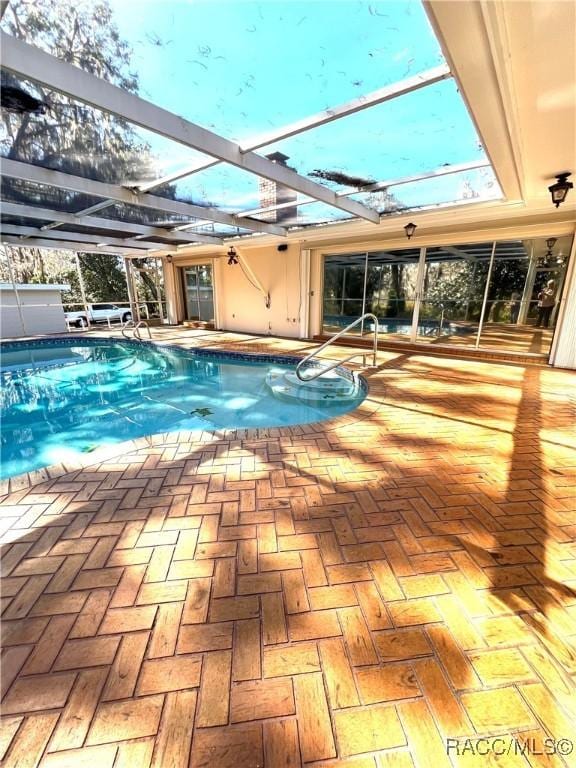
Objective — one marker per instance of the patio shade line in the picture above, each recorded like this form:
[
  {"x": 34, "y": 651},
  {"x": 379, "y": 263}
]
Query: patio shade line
[
  {"x": 30, "y": 62},
  {"x": 39, "y": 175},
  {"x": 82, "y": 237},
  {"x": 388, "y": 92},
  {"x": 31, "y": 212}
]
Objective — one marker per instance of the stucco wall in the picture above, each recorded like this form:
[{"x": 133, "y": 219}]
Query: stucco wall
[{"x": 241, "y": 307}]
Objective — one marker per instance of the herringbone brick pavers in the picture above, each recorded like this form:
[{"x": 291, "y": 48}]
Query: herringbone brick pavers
[{"x": 370, "y": 593}]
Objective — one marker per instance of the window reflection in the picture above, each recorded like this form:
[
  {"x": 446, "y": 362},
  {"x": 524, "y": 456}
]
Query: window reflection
[
  {"x": 199, "y": 293},
  {"x": 489, "y": 295}
]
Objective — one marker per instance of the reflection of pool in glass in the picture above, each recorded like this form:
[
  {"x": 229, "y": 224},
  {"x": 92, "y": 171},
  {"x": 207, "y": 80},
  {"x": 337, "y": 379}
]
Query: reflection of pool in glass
[
  {"x": 61, "y": 399},
  {"x": 401, "y": 326}
]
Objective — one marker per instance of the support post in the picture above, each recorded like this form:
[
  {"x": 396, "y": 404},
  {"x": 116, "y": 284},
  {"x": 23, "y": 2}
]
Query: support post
[
  {"x": 131, "y": 293},
  {"x": 528, "y": 287},
  {"x": 157, "y": 268},
  {"x": 82, "y": 287},
  {"x": 16, "y": 296},
  {"x": 304, "y": 309},
  {"x": 486, "y": 290},
  {"x": 419, "y": 294}
]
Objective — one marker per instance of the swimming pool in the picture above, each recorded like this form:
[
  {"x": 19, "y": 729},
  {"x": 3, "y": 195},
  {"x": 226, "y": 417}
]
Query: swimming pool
[
  {"x": 61, "y": 399},
  {"x": 403, "y": 327}
]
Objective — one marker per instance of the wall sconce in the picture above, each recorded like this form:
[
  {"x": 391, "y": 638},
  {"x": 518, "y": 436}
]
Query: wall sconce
[
  {"x": 169, "y": 259},
  {"x": 232, "y": 256},
  {"x": 550, "y": 243},
  {"x": 543, "y": 261},
  {"x": 410, "y": 229},
  {"x": 561, "y": 188}
]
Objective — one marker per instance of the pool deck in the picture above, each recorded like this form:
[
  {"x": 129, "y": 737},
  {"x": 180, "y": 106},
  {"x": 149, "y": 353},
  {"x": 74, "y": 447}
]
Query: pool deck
[{"x": 380, "y": 591}]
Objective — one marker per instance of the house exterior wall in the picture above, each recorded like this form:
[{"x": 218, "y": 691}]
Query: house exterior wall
[
  {"x": 563, "y": 352},
  {"x": 294, "y": 278},
  {"x": 239, "y": 305},
  {"x": 38, "y": 318}
]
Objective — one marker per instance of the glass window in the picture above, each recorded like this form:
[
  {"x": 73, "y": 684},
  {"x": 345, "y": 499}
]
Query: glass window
[
  {"x": 524, "y": 293},
  {"x": 343, "y": 291},
  {"x": 391, "y": 280},
  {"x": 383, "y": 283},
  {"x": 199, "y": 293},
  {"x": 494, "y": 295},
  {"x": 453, "y": 292}
]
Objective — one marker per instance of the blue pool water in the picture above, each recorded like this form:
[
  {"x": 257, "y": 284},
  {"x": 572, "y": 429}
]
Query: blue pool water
[
  {"x": 62, "y": 399},
  {"x": 403, "y": 327}
]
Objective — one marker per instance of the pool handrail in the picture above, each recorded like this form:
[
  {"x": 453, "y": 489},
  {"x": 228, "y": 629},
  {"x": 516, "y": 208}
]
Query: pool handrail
[
  {"x": 332, "y": 339},
  {"x": 136, "y": 329}
]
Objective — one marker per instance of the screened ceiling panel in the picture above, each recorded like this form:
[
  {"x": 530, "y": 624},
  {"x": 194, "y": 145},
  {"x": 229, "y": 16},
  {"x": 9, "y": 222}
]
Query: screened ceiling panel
[
  {"x": 223, "y": 186},
  {"x": 44, "y": 196},
  {"x": 97, "y": 231},
  {"x": 135, "y": 214},
  {"x": 23, "y": 221},
  {"x": 78, "y": 139},
  {"x": 305, "y": 215},
  {"x": 234, "y": 191},
  {"x": 475, "y": 185},
  {"x": 242, "y": 68},
  {"x": 421, "y": 130},
  {"x": 218, "y": 230}
]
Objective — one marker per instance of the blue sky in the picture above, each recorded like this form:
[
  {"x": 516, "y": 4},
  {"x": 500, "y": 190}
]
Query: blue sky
[{"x": 242, "y": 68}]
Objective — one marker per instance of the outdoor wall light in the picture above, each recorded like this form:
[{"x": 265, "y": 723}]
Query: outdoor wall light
[
  {"x": 169, "y": 259},
  {"x": 410, "y": 229},
  {"x": 550, "y": 243},
  {"x": 232, "y": 256},
  {"x": 561, "y": 188}
]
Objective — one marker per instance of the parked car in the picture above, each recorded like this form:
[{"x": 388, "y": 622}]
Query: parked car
[{"x": 99, "y": 313}]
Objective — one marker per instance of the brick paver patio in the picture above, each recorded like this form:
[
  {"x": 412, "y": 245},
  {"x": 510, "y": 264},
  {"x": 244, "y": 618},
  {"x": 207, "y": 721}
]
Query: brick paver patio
[{"x": 362, "y": 594}]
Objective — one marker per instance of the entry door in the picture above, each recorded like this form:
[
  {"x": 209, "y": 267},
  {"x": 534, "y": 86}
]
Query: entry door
[{"x": 199, "y": 293}]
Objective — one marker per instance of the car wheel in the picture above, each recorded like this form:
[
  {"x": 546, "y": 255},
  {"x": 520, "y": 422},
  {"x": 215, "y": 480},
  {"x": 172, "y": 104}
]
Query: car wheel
[
  {"x": 82, "y": 322},
  {"x": 126, "y": 316}
]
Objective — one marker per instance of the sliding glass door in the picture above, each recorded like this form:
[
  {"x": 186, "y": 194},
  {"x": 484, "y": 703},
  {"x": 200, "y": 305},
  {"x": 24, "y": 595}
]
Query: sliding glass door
[
  {"x": 199, "y": 293},
  {"x": 391, "y": 287},
  {"x": 453, "y": 293},
  {"x": 490, "y": 295},
  {"x": 523, "y": 295},
  {"x": 343, "y": 291}
]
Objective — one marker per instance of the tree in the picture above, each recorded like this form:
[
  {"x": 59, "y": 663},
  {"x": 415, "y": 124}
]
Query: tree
[
  {"x": 35, "y": 265},
  {"x": 76, "y": 138},
  {"x": 71, "y": 136},
  {"x": 104, "y": 278}
]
